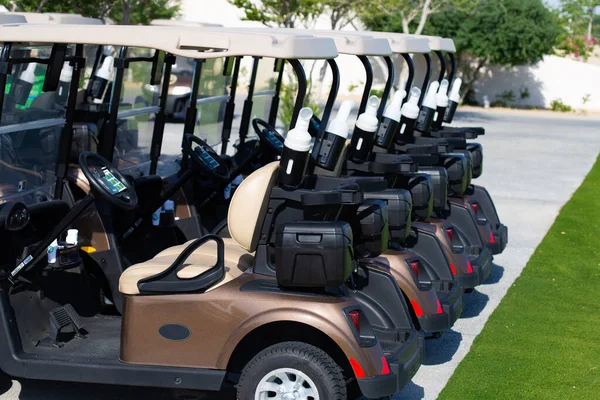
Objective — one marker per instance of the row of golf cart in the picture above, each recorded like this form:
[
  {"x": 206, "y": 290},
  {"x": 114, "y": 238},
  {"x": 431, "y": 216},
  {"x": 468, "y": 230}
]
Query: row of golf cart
[{"x": 306, "y": 261}]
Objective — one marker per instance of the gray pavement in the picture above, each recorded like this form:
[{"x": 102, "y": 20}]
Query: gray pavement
[{"x": 532, "y": 166}]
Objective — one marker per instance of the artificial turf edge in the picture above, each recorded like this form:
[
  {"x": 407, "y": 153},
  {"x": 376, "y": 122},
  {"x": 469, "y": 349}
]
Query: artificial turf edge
[{"x": 543, "y": 340}]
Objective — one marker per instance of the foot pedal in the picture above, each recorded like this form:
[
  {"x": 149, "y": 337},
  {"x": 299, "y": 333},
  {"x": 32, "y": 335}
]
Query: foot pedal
[{"x": 62, "y": 318}]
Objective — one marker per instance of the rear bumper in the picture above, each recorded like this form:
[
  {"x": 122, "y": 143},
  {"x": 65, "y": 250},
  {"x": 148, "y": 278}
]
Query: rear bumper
[
  {"x": 452, "y": 304},
  {"x": 500, "y": 239},
  {"x": 404, "y": 360},
  {"x": 435, "y": 323},
  {"x": 482, "y": 266}
]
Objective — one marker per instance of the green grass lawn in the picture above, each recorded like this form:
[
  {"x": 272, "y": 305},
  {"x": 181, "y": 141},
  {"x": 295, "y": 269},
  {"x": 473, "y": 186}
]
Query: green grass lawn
[{"x": 543, "y": 340}]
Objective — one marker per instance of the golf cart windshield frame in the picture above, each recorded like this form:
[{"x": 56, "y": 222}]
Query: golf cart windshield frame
[{"x": 7, "y": 63}]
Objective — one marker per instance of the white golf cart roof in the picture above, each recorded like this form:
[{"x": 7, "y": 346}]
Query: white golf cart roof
[
  {"x": 189, "y": 24},
  {"x": 347, "y": 42},
  {"x": 57, "y": 18},
  {"x": 186, "y": 42},
  {"x": 10, "y": 18},
  {"x": 353, "y": 43},
  {"x": 441, "y": 44},
  {"x": 402, "y": 43}
]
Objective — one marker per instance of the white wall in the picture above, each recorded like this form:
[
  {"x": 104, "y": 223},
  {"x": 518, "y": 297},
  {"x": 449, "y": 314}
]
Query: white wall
[{"x": 551, "y": 79}]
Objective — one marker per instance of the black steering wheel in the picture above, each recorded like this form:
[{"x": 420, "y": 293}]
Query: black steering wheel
[
  {"x": 268, "y": 135},
  {"x": 204, "y": 157},
  {"x": 107, "y": 182}
]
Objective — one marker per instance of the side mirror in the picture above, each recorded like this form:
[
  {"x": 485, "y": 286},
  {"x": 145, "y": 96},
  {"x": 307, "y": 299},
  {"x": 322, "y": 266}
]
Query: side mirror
[{"x": 57, "y": 60}]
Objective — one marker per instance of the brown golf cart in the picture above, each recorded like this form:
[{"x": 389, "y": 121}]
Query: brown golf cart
[{"x": 197, "y": 313}]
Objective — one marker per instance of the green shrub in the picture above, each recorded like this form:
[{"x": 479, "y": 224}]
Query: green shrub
[{"x": 558, "y": 105}]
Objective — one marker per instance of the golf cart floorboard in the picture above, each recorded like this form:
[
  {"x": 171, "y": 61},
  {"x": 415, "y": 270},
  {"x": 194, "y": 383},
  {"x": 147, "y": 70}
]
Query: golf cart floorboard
[
  {"x": 102, "y": 342},
  {"x": 92, "y": 360}
]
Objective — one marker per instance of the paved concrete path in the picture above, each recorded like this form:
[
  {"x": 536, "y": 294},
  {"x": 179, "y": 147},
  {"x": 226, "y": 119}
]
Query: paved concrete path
[{"x": 532, "y": 166}]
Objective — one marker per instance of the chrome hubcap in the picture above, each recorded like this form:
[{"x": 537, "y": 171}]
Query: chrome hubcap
[{"x": 286, "y": 384}]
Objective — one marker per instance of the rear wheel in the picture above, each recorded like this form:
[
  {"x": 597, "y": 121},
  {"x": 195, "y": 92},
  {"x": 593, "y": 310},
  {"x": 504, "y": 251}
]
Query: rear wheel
[{"x": 292, "y": 371}]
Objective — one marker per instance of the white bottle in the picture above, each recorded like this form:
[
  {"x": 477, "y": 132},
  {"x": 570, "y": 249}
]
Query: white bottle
[
  {"x": 391, "y": 121},
  {"x": 52, "y": 251},
  {"x": 410, "y": 112},
  {"x": 441, "y": 100},
  {"x": 23, "y": 85},
  {"x": 331, "y": 145},
  {"x": 296, "y": 151},
  {"x": 428, "y": 108},
  {"x": 101, "y": 78},
  {"x": 454, "y": 98},
  {"x": 72, "y": 237},
  {"x": 64, "y": 81},
  {"x": 364, "y": 131}
]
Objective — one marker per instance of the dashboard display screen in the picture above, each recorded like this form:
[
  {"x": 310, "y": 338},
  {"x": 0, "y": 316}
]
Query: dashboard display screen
[
  {"x": 207, "y": 159},
  {"x": 275, "y": 141},
  {"x": 109, "y": 181}
]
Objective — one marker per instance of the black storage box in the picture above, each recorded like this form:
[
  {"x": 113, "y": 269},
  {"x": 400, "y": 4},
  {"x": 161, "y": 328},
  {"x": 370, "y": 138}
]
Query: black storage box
[
  {"x": 458, "y": 176},
  {"x": 476, "y": 151},
  {"x": 439, "y": 180},
  {"x": 313, "y": 253},
  {"x": 421, "y": 191},
  {"x": 399, "y": 206},
  {"x": 373, "y": 238}
]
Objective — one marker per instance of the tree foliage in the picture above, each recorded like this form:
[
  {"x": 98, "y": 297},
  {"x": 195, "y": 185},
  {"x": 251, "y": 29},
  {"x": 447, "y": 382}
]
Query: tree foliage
[
  {"x": 500, "y": 32},
  {"x": 280, "y": 13},
  {"x": 407, "y": 16},
  {"x": 580, "y": 14},
  {"x": 126, "y": 12}
]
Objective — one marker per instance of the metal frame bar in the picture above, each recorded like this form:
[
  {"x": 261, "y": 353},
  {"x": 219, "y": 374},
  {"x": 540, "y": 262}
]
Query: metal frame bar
[
  {"x": 248, "y": 103},
  {"x": 388, "y": 85},
  {"x": 368, "y": 83},
  {"x": 333, "y": 92},
  {"x": 109, "y": 136},
  {"x": 66, "y": 137},
  {"x": 301, "y": 75},
  {"x": 161, "y": 115}
]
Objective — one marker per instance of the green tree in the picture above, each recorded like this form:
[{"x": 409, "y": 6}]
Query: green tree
[
  {"x": 581, "y": 14},
  {"x": 125, "y": 12},
  {"x": 407, "y": 16},
  {"x": 498, "y": 32},
  {"x": 280, "y": 13}
]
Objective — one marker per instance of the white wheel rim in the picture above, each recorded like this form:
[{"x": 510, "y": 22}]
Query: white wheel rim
[{"x": 286, "y": 384}]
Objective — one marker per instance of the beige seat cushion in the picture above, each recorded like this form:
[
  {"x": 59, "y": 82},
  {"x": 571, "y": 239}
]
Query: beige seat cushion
[{"x": 237, "y": 262}]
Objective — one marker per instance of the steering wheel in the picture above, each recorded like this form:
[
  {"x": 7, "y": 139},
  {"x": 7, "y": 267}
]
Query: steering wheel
[
  {"x": 268, "y": 135},
  {"x": 204, "y": 157},
  {"x": 107, "y": 182}
]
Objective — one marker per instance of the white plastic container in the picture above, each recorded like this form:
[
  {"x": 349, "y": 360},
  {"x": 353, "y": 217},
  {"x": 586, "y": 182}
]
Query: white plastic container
[{"x": 296, "y": 151}]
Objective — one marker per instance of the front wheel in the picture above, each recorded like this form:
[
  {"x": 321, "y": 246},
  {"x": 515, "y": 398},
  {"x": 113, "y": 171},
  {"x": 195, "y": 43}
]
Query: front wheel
[{"x": 292, "y": 371}]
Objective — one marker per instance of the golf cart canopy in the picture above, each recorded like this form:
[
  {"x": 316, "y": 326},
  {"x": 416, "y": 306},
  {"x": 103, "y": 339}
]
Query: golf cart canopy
[
  {"x": 347, "y": 42},
  {"x": 440, "y": 44},
  {"x": 56, "y": 18},
  {"x": 402, "y": 43},
  {"x": 186, "y": 42},
  {"x": 6, "y": 18},
  {"x": 188, "y": 24}
]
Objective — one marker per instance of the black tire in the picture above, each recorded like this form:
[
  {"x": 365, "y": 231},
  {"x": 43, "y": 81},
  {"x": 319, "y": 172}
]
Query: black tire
[{"x": 310, "y": 360}]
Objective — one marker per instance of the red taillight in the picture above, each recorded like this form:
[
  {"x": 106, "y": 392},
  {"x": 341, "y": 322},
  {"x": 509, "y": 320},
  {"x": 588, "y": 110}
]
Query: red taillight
[
  {"x": 450, "y": 233},
  {"x": 358, "y": 371},
  {"x": 475, "y": 207},
  {"x": 439, "y": 307},
  {"x": 355, "y": 317},
  {"x": 492, "y": 238},
  {"x": 386, "y": 368},
  {"x": 452, "y": 269},
  {"x": 417, "y": 308},
  {"x": 469, "y": 267},
  {"x": 415, "y": 267}
]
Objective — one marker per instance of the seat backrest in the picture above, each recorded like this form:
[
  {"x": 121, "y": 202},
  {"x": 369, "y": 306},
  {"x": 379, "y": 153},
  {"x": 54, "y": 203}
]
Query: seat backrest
[{"x": 249, "y": 205}]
